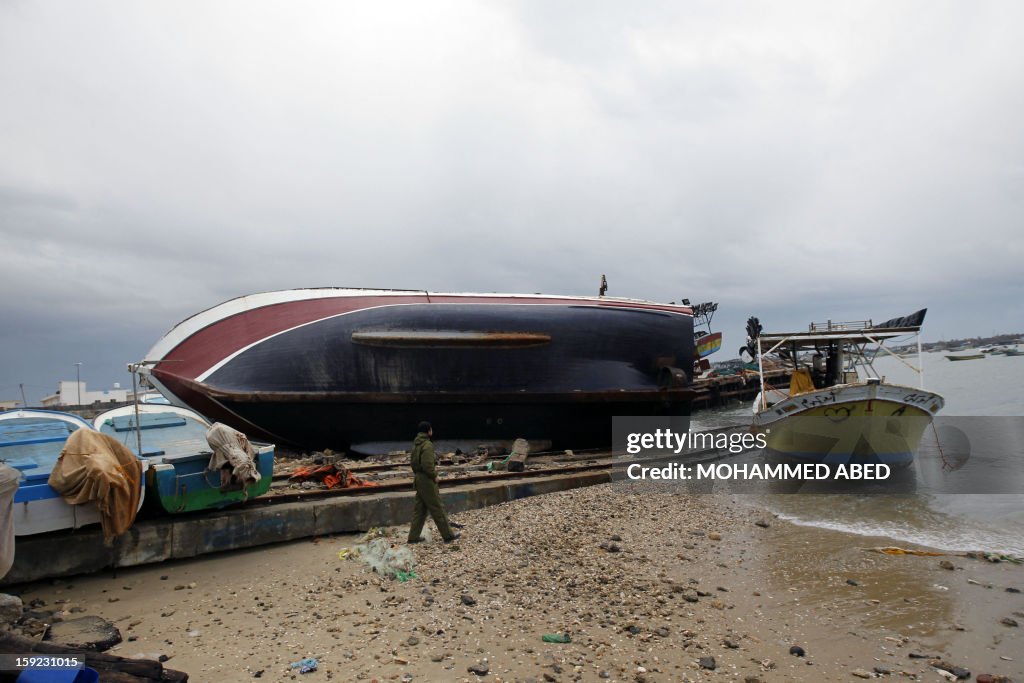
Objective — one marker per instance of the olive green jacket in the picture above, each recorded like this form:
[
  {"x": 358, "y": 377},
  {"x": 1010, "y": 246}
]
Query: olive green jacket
[{"x": 422, "y": 458}]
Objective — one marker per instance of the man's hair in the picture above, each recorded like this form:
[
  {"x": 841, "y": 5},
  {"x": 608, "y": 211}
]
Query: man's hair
[{"x": 423, "y": 427}]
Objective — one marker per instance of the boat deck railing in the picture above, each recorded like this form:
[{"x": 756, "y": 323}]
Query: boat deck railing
[{"x": 831, "y": 326}]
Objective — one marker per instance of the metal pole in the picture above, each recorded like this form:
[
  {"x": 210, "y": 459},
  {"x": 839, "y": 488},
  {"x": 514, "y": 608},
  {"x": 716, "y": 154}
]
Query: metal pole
[
  {"x": 760, "y": 371},
  {"x": 24, "y": 403},
  {"x": 135, "y": 394},
  {"x": 78, "y": 381},
  {"x": 920, "y": 362}
]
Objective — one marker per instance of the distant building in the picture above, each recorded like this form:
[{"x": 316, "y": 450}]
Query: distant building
[
  {"x": 70, "y": 393},
  {"x": 9, "y": 405}
]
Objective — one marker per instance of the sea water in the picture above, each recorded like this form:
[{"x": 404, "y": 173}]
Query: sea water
[{"x": 990, "y": 391}]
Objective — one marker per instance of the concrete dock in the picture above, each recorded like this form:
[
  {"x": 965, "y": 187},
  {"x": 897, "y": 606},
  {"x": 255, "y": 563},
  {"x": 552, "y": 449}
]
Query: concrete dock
[
  {"x": 264, "y": 521},
  {"x": 65, "y": 554}
]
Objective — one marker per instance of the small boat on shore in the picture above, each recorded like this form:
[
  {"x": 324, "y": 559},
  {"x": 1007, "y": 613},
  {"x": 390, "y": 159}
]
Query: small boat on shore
[
  {"x": 31, "y": 441},
  {"x": 973, "y": 356},
  {"x": 838, "y": 410},
  {"x": 341, "y": 368},
  {"x": 174, "y": 443}
]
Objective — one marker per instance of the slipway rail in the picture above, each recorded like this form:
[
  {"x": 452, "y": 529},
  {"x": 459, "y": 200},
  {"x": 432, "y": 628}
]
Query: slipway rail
[{"x": 405, "y": 483}]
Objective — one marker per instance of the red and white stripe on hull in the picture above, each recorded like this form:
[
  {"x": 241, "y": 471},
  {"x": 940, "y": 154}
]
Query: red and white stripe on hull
[{"x": 198, "y": 345}]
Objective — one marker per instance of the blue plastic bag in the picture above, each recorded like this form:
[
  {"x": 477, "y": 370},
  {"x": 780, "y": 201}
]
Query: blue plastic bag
[{"x": 84, "y": 675}]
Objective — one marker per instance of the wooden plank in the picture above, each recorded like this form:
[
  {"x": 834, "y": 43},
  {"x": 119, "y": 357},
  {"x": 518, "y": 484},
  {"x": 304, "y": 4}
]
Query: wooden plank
[{"x": 111, "y": 667}]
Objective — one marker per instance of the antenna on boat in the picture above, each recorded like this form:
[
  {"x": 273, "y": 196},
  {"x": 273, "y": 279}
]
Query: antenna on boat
[{"x": 604, "y": 285}]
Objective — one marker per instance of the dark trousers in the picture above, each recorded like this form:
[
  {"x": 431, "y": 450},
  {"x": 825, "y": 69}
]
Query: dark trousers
[{"x": 428, "y": 499}]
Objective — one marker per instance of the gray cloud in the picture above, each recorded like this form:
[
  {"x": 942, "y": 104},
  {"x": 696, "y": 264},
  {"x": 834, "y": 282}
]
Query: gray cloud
[{"x": 797, "y": 162}]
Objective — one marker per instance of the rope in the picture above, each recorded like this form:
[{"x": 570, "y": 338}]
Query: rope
[{"x": 945, "y": 463}]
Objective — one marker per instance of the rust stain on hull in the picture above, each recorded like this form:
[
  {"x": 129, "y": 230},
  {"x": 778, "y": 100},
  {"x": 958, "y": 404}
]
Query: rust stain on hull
[{"x": 449, "y": 338}]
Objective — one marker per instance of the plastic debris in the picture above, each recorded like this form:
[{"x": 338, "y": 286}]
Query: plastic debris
[
  {"x": 556, "y": 638},
  {"x": 994, "y": 557},
  {"x": 305, "y": 666},
  {"x": 974, "y": 555},
  {"x": 384, "y": 557}
]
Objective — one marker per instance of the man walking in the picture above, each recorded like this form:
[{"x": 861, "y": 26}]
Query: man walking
[{"x": 428, "y": 497}]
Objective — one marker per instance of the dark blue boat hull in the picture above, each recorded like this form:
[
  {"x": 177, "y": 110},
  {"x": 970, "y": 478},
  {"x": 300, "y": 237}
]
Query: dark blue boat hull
[{"x": 486, "y": 371}]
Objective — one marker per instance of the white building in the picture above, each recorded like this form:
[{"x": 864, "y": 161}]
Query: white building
[{"x": 71, "y": 393}]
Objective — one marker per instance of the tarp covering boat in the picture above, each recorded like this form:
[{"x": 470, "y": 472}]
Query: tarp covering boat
[
  {"x": 800, "y": 382},
  {"x": 233, "y": 456},
  {"x": 8, "y": 485},
  {"x": 94, "y": 466}
]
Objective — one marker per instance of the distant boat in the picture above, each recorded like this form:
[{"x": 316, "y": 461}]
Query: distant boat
[
  {"x": 31, "y": 441},
  {"x": 707, "y": 344},
  {"x": 174, "y": 443},
  {"x": 973, "y": 356},
  {"x": 821, "y": 417}
]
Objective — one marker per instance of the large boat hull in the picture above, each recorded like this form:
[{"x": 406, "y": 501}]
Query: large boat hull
[
  {"x": 338, "y": 368},
  {"x": 581, "y": 423}
]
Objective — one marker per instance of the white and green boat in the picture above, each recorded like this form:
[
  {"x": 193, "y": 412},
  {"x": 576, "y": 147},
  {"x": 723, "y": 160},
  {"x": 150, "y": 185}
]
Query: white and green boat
[{"x": 173, "y": 440}]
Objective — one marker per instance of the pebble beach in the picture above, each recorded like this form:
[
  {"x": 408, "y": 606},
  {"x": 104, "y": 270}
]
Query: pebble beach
[{"x": 646, "y": 585}]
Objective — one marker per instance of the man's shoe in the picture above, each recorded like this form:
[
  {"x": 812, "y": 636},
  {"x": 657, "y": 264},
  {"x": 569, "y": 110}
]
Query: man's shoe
[
  {"x": 418, "y": 540},
  {"x": 454, "y": 537}
]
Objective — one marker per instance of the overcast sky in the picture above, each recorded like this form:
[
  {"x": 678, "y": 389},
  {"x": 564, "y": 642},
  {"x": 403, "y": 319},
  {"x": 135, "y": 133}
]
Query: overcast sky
[{"x": 797, "y": 161}]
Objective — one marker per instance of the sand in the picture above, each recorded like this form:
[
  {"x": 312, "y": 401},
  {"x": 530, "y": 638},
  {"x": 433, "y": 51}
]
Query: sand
[{"x": 645, "y": 583}]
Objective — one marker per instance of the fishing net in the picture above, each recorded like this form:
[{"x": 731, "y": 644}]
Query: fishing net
[{"x": 375, "y": 548}]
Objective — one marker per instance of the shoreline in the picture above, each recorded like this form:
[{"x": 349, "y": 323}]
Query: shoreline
[{"x": 689, "y": 577}]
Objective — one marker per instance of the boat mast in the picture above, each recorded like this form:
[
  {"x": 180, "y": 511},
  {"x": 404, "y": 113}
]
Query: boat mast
[{"x": 134, "y": 368}]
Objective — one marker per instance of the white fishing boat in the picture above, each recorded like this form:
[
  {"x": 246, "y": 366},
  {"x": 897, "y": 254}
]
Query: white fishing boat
[{"x": 838, "y": 409}]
